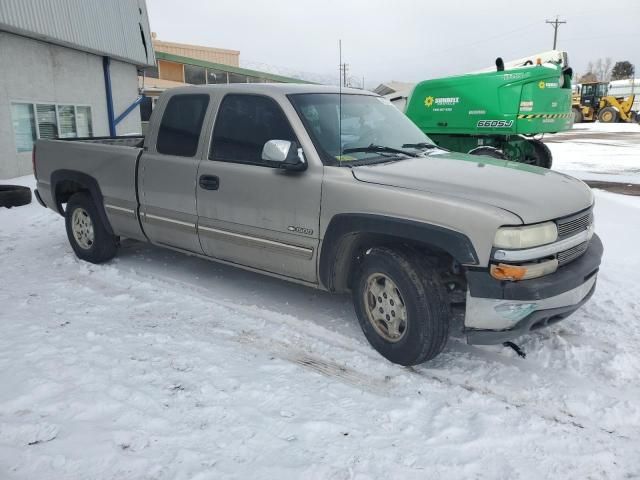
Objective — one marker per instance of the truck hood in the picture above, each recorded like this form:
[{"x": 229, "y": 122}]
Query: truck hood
[{"x": 532, "y": 193}]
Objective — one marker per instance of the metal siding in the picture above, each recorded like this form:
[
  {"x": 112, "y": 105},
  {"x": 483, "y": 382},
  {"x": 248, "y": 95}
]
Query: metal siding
[{"x": 102, "y": 27}]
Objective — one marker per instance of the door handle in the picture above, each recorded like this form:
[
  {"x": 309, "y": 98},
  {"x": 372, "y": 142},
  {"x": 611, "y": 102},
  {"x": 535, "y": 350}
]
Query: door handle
[{"x": 209, "y": 182}]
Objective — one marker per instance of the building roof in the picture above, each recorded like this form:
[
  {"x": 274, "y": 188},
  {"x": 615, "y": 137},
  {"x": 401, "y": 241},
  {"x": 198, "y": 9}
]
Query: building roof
[
  {"x": 228, "y": 68},
  {"x": 113, "y": 28}
]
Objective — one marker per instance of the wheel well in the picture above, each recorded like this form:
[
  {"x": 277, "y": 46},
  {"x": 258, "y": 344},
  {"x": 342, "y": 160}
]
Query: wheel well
[
  {"x": 65, "y": 183},
  {"x": 349, "y": 235},
  {"x": 65, "y": 189},
  {"x": 353, "y": 248}
]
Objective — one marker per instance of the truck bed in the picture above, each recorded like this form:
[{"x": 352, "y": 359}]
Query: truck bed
[{"x": 112, "y": 164}]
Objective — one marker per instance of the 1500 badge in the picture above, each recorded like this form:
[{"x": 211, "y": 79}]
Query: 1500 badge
[
  {"x": 494, "y": 123},
  {"x": 303, "y": 230}
]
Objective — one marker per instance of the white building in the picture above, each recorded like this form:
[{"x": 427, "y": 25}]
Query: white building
[{"x": 68, "y": 69}]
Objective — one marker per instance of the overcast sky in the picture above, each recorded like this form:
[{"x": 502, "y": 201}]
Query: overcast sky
[{"x": 407, "y": 40}]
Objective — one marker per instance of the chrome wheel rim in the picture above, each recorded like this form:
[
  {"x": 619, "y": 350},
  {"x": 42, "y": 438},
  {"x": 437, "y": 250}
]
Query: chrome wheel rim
[
  {"x": 82, "y": 228},
  {"x": 385, "y": 307}
]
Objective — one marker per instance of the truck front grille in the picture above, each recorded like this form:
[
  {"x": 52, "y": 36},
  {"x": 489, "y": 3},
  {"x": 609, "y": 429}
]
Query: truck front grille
[
  {"x": 569, "y": 226},
  {"x": 572, "y": 253}
]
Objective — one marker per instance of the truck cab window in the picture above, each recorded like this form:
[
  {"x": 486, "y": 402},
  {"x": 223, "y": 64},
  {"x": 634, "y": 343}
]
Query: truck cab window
[
  {"x": 181, "y": 124},
  {"x": 244, "y": 124}
]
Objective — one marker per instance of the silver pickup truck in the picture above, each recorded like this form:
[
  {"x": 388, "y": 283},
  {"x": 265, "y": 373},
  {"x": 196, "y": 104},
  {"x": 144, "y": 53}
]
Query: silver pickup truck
[{"x": 340, "y": 192}]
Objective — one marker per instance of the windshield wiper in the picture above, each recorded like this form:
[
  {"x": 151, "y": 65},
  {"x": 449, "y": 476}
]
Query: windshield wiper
[
  {"x": 379, "y": 149},
  {"x": 424, "y": 145}
]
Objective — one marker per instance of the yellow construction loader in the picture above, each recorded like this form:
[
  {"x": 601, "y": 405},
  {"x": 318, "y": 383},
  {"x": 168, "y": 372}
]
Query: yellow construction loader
[{"x": 591, "y": 102}]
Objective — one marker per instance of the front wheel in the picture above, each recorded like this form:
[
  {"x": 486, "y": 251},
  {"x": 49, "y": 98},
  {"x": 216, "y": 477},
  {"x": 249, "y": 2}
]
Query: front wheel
[
  {"x": 87, "y": 233},
  {"x": 608, "y": 115},
  {"x": 401, "y": 305}
]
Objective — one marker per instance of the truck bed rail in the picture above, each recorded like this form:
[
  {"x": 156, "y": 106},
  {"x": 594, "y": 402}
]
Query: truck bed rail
[{"x": 136, "y": 141}]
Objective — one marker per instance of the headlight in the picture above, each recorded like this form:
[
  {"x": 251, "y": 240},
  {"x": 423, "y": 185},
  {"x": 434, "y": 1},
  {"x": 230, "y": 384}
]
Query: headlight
[{"x": 526, "y": 237}]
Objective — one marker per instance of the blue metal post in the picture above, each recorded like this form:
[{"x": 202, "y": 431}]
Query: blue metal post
[
  {"x": 106, "y": 64},
  {"x": 129, "y": 109}
]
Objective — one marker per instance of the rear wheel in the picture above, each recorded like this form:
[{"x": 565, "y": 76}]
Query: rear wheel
[
  {"x": 87, "y": 233},
  {"x": 402, "y": 306},
  {"x": 577, "y": 116},
  {"x": 608, "y": 115},
  {"x": 488, "y": 152}
]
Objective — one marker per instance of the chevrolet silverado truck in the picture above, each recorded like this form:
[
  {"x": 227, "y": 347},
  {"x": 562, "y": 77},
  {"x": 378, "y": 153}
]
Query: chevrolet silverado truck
[{"x": 339, "y": 191}]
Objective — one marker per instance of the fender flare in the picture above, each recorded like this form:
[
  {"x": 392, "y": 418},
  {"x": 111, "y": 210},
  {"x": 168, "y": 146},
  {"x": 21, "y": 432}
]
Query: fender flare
[
  {"x": 89, "y": 183},
  {"x": 340, "y": 242}
]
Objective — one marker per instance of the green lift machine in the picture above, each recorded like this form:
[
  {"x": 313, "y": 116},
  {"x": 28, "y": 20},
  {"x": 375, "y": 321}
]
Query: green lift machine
[{"x": 498, "y": 113}]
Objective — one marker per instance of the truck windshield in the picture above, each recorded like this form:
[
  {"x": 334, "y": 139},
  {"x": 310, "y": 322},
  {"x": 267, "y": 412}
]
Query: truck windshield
[{"x": 372, "y": 129}]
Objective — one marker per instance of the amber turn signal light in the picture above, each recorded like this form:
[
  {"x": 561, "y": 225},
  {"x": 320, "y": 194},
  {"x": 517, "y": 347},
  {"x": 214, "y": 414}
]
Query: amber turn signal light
[{"x": 503, "y": 271}]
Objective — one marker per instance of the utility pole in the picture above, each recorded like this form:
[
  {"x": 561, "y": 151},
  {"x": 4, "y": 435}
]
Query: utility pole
[
  {"x": 344, "y": 74},
  {"x": 556, "y": 24}
]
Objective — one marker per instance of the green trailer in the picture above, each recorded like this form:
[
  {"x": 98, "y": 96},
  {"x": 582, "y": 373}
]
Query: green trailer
[{"x": 496, "y": 113}]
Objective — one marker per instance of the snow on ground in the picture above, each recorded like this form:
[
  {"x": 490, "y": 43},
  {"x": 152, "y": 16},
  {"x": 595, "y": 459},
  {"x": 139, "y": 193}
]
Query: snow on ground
[
  {"x": 598, "y": 151},
  {"x": 159, "y": 365}
]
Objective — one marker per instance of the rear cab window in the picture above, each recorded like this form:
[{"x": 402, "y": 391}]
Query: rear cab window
[{"x": 181, "y": 125}]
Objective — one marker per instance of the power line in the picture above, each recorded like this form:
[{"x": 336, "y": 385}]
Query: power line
[{"x": 556, "y": 24}]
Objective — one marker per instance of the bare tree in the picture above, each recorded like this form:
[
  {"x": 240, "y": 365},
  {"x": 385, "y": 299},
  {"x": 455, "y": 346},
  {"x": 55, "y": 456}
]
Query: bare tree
[{"x": 602, "y": 69}]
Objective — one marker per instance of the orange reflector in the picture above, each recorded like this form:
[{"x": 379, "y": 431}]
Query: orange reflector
[{"x": 503, "y": 271}]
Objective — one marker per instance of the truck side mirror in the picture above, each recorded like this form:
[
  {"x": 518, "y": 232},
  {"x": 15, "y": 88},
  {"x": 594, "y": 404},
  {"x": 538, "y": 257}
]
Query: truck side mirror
[{"x": 285, "y": 155}]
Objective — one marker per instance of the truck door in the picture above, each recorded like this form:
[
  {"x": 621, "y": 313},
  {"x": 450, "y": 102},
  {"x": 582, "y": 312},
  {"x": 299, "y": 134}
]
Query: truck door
[
  {"x": 168, "y": 170},
  {"x": 249, "y": 213}
]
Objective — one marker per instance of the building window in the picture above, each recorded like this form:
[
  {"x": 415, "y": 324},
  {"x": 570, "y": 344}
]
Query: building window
[
  {"x": 39, "y": 120},
  {"x": 235, "y": 78},
  {"x": 194, "y": 74},
  {"x": 216, "y": 76},
  {"x": 24, "y": 126},
  {"x": 83, "y": 122},
  {"x": 47, "y": 121},
  {"x": 151, "y": 72},
  {"x": 67, "y": 116}
]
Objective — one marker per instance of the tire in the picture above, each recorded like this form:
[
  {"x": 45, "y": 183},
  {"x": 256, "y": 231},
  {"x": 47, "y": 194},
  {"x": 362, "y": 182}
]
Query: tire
[
  {"x": 488, "y": 152},
  {"x": 87, "y": 232},
  {"x": 608, "y": 115},
  {"x": 542, "y": 156},
  {"x": 577, "y": 116},
  {"x": 14, "y": 196},
  {"x": 415, "y": 295}
]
